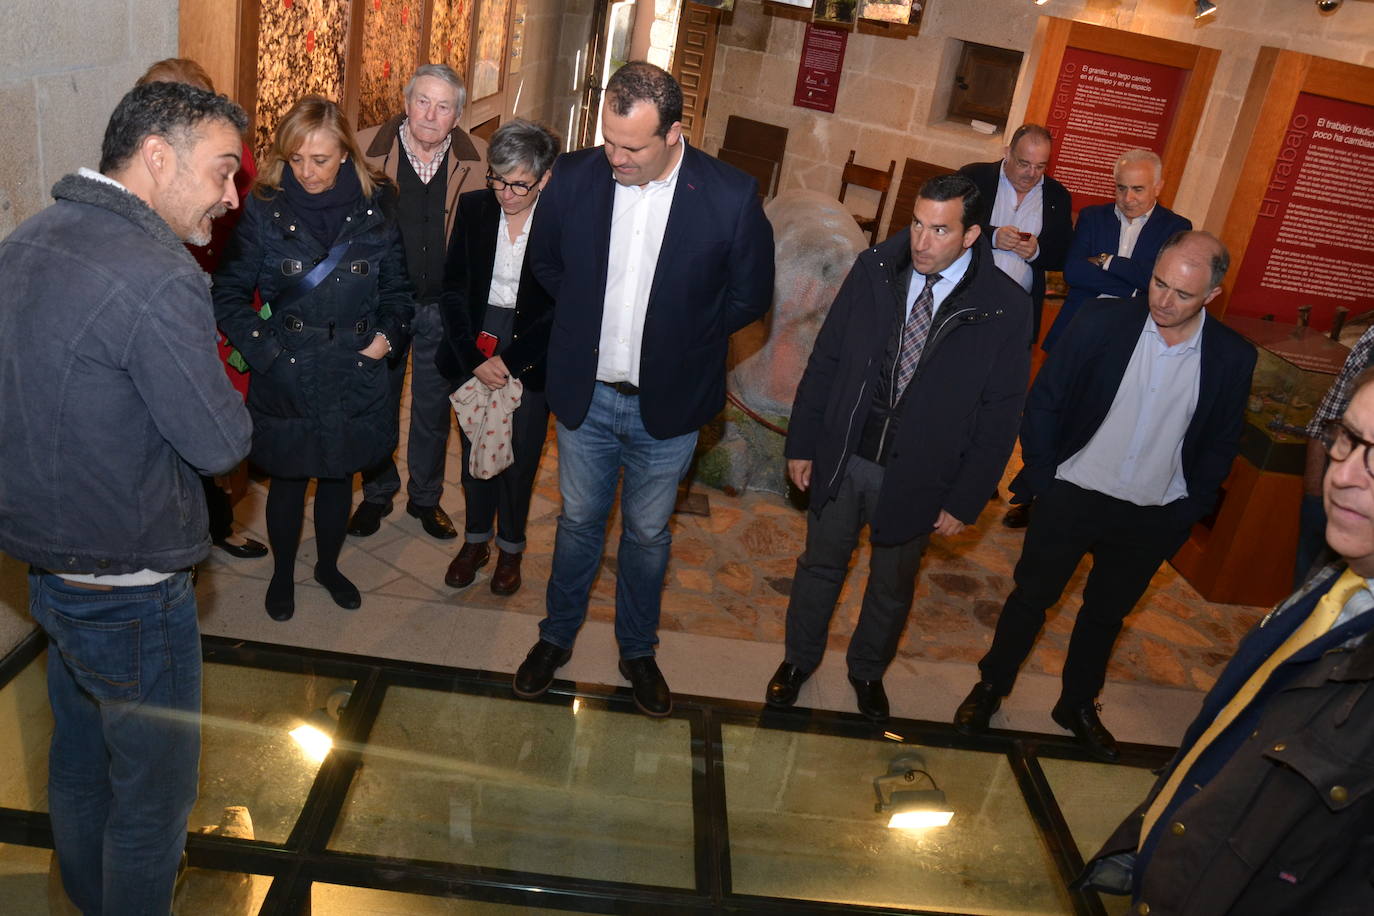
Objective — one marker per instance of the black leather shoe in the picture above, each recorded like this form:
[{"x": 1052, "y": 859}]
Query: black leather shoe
[
  {"x": 434, "y": 520},
  {"x": 647, "y": 685},
  {"x": 1018, "y": 516},
  {"x": 463, "y": 569},
  {"x": 367, "y": 518},
  {"x": 973, "y": 715},
  {"x": 248, "y": 550},
  {"x": 872, "y": 698},
  {"x": 1088, "y": 729},
  {"x": 785, "y": 685},
  {"x": 535, "y": 673}
]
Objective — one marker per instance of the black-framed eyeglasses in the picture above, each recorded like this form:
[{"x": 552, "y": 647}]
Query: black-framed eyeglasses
[
  {"x": 518, "y": 188},
  {"x": 1340, "y": 440}
]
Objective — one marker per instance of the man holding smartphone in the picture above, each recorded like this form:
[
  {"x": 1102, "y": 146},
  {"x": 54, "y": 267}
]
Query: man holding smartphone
[{"x": 1025, "y": 214}]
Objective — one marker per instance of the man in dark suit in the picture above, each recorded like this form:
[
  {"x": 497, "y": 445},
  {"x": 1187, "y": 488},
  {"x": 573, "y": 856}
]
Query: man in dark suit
[
  {"x": 655, "y": 253},
  {"x": 1129, "y": 430},
  {"x": 1025, "y": 214},
  {"x": 1115, "y": 245},
  {"x": 903, "y": 421}
]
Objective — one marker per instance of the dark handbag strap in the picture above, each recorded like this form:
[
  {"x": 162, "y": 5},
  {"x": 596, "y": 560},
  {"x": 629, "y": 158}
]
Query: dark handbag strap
[{"x": 311, "y": 280}]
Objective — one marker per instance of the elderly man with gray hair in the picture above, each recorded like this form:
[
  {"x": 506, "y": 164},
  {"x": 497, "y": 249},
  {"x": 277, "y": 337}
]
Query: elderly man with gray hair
[{"x": 432, "y": 161}]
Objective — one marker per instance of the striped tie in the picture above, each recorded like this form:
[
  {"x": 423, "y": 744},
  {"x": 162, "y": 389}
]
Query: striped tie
[{"x": 914, "y": 334}]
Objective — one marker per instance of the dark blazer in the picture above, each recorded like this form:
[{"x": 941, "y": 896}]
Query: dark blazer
[
  {"x": 1099, "y": 231},
  {"x": 1055, "y": 232},
  {"x": 714, "y": 276},
  {"x": 957, "y": 418},
  {"x": 463, "y": 305},
  {"x": 1077, "y": 384}
]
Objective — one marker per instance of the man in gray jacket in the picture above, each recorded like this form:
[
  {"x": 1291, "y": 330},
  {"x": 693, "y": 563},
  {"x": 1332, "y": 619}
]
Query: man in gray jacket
[{"x": 114, "y": 402}]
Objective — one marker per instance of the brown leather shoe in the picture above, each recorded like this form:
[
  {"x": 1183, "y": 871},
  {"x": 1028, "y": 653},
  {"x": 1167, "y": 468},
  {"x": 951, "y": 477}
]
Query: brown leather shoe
[
  {"x": 505, "y": 579},
  {"x": 463, "y": 569}
]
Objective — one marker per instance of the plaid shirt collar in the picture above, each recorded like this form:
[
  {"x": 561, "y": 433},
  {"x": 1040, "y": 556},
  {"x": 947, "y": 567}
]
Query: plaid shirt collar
[{"x": 425, "y": 170}]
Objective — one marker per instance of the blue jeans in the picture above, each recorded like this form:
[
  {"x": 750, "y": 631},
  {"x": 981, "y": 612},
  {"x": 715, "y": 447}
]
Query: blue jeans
[
  {"x": 124, "y": 682},
  {"x": 590, "y": 459}
]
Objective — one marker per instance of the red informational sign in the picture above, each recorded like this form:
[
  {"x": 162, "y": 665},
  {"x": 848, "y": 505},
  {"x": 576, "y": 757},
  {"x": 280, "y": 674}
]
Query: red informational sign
[
  {"x": 1103, "y": 105},
  {"x": 818, "y": 74},
  {"x": 1313, "y": 241}
]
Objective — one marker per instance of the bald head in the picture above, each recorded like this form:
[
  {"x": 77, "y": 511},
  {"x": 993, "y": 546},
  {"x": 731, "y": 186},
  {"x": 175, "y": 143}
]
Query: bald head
[{"x": 1187, "y": 275}]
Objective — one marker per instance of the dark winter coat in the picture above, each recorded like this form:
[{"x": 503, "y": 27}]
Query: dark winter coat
[
  {"x": 1277, "y": 815},
  {"x": 958, "y": 415},
  {"x": 467, "y": 282},
  {"x": 320, "y": 408}
]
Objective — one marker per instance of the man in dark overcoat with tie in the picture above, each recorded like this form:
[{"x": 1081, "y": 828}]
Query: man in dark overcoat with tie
[{"x": 903, "y": 421}]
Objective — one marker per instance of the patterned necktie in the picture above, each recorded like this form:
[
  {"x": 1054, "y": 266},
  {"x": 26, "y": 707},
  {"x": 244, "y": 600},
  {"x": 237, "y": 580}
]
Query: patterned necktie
[
  {"x": 1316, "y": 625},
  {"x": 914, "y": 334}
]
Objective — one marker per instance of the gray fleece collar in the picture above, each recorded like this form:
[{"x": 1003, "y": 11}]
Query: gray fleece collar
[{"x": 82, "y": 190}]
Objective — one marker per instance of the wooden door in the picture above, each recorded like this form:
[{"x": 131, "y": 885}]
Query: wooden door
[{"x": 693, "y": 60}]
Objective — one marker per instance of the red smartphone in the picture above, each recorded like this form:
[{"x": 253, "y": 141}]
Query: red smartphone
[
  {"x": 486, "y": 344},
  {"x": 1025, "y": 236}
]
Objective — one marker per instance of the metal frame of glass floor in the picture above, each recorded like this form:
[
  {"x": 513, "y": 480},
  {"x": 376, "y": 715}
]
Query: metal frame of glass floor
[{"x": 444, "y": 794}]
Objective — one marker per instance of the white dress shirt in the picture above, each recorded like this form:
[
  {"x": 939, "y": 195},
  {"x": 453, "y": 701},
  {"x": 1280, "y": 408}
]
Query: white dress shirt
[
  {"x": 1028, "y": 216},
  {"x": 1126, "y": 239},
  {"x": 510, "y": 258},
  {"x": 1137, "y": 452},
  {"x": 638, "y": 220}
]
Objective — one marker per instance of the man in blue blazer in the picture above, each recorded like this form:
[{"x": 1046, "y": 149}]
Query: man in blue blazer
[
  {"x": 1115, "y": 245},
  {"x": 1128, "y": 432},
  {"x": 1025, "y": 214},
  {"x": 655, "y": 253}
]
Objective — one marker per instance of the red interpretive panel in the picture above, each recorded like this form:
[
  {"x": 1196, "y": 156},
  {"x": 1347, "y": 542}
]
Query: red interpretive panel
[
  {"x": 1104, "y": 104},
  {"x": 1313, "y": 240},
  {"x": 818, "y": 74}
]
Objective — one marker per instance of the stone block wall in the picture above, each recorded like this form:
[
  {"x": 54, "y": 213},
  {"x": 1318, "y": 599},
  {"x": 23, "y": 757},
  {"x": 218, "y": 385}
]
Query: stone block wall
[
  {"x": 64, "y": 64},
  {"x": 893, "y": 93}
]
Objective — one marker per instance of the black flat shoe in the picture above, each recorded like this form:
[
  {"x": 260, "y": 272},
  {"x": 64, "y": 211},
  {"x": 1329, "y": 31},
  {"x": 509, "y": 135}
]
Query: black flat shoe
[
  {"x": 786, "y": 684},
  {"x": 344, "y": 592},
  {"x": 434, "y": 520},
  {"x": 535, "y": 673},
  {"x": 367, "y": 518},
  {"x": 1088, "y": 729},
  {"x": 280, "y": 602},
  {"x": 974, "y": 714},
  {"x": 872, "y": 699},
  {"x": 248, "y": 550},
  {"x": 647, "y": 685}
]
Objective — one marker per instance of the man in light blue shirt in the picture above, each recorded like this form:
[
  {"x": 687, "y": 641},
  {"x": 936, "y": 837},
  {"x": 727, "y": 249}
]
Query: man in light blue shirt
[{"x": 1128, "y": 433}]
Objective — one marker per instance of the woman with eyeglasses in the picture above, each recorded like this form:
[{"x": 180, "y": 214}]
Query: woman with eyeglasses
[
  {"x": 496, "y": 328},
  {"x": 319, "y": 241}
]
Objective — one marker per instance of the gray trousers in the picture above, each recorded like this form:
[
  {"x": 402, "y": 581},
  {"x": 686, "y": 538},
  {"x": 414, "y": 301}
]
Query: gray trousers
[
  {"x": 431, "y": 418},
  {"x": 832, "y": 533}
]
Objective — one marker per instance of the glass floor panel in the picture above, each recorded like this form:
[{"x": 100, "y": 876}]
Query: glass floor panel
[
  {"x": 462, "y": 800},
  {"x": 1094, "y": 799},
  {"x": 254, "y": 777},
  {"x": 802, "y": 825},
  {"x": 25, "y": 732},
  {"x": 28, "y": 888},
  {"x": 579, "y": 791},
  {"x": 340, "y": 900}
]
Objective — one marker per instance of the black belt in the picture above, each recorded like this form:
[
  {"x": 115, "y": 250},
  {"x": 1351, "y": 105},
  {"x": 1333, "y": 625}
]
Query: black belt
[
  {"x": 624, "y": 388},
  {"x": 293, "y": 323}
]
